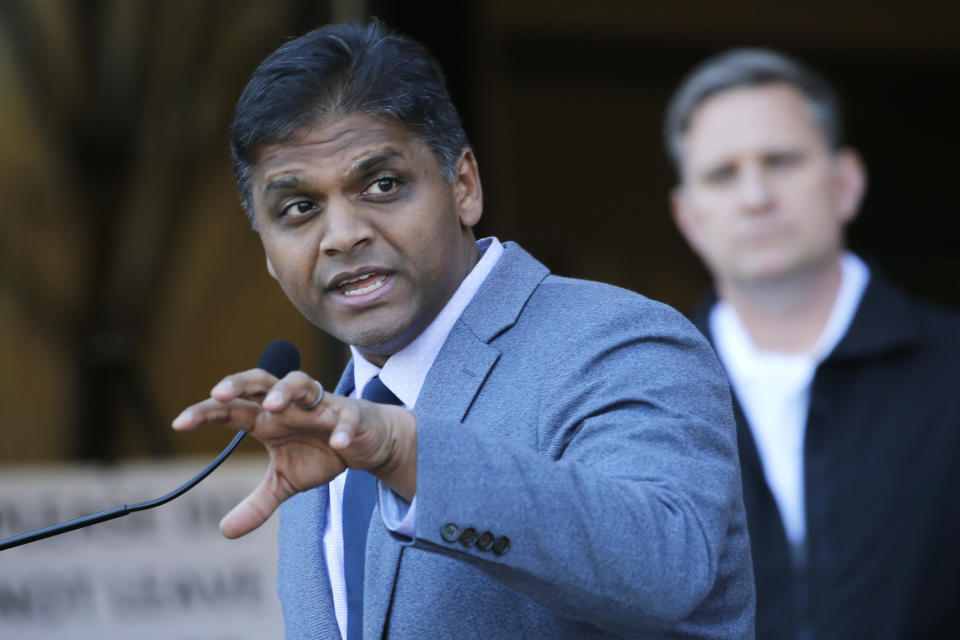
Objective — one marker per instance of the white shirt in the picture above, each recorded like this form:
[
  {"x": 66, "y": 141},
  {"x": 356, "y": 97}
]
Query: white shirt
[
  {"x": 403, "y": 373},
  {"x": 774, "y": 390}
]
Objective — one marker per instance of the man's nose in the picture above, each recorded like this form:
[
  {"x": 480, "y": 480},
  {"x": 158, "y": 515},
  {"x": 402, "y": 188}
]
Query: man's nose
[
  {"x": 754, "y": 190},
  {"x": 345, "y": 229}
]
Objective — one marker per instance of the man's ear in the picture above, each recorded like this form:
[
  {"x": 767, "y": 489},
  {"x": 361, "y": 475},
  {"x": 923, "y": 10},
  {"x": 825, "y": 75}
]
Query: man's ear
[
  {"x": 271, "y": 270},
  {"x": 851, "y": 183},
  {"x": 467, "y": 191}
]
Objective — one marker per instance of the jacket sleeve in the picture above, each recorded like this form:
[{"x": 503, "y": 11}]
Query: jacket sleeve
[{"x": 620, "y": 509}]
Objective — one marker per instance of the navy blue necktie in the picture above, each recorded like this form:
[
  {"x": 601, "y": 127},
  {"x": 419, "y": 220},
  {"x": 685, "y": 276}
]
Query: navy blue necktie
[{"x": 359, "y": 496}]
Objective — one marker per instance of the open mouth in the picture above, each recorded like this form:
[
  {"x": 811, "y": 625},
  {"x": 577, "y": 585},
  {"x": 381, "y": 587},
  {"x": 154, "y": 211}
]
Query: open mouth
[
  {"x": 362, "y": 284},
  {"x": 361, "y": 287}
]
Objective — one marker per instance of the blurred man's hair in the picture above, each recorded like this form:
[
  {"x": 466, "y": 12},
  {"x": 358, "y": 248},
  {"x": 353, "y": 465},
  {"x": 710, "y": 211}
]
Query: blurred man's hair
[
  {"x": 339, "y": 70},
  {"x": 737, "y": 68}
]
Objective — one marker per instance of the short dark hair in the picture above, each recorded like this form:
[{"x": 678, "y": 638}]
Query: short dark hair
[
  {"x": 339, "y": 70},
  {"x": 750, "y": 68}
]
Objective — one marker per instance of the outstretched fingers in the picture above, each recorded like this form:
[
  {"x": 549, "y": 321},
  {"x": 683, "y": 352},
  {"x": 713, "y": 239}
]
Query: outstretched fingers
[
  {"x": 297, "y": 389},
  {"x": 236, "y": 400},
  {"x": 253, "y": 384},
  {"x": 240, "y": 415}
]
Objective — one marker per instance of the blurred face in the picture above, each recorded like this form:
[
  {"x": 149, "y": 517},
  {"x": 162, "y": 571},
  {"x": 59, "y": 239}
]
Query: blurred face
[
  {"x": 763, "y": 197},
  {"x": 361, "y": 230}
]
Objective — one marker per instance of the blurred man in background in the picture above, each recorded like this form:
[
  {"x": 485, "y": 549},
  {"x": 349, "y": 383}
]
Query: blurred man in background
[{"x": 845, "y": 388}]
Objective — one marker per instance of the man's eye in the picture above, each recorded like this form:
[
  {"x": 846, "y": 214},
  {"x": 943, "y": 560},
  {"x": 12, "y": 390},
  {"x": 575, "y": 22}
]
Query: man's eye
[
  {"x": 782, "y": 160},
  {"x": 298, "y": 208},
  {"x": 721, "y": 175},
  {"x": 382, "y": 186}
]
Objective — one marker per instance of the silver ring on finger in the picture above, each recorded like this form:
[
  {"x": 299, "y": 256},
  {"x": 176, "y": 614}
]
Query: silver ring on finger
[{"x": 313, "y": 405}]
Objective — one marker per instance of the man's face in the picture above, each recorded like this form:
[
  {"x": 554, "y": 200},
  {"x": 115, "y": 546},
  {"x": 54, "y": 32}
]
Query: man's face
[
  {"x": 361, "y": 230},
  {"x": 763, "y": 197}
]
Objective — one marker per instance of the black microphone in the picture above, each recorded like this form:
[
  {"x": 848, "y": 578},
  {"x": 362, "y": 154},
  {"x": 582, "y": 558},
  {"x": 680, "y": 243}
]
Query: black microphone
[{"x": 279, "y": 358}]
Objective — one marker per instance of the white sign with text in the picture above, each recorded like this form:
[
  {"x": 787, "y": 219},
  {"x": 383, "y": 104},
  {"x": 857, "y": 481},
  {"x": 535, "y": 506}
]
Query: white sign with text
[{"x": 165, "y": 573}]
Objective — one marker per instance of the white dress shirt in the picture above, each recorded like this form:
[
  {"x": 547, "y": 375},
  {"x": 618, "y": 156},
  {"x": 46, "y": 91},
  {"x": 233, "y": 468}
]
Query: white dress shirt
[
  {"x": 774, "y": 390},
  {"x": 403, "y": 373}
]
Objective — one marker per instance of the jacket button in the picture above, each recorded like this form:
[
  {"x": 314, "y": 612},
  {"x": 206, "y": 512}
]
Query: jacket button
[
  {"x": 468, "y": 537},
  {"x": 450, "y": 532},
  {"x": 485, "y": 541},
  {"x": 501, "y": 546}
]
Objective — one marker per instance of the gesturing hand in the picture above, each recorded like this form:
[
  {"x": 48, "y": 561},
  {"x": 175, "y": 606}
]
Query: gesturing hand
[{"x": 307, "y": 447}]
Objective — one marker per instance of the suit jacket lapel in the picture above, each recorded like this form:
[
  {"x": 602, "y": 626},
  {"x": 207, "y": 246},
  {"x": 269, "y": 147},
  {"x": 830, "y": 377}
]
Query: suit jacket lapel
[
  {"x": 467, "y": 355},
  {"x": 452, "y": 384},
  {"x": 379, "y": 576},
  {"x": 305, "y": 592},
  {"x": 457, "y": 375},
  {"x": 450, "y": 387}
]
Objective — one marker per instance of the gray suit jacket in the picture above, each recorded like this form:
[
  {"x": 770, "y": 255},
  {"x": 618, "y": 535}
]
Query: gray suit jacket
[{"x": 587, "y": 431}]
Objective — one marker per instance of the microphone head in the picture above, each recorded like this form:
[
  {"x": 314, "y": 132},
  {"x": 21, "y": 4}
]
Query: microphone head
[{"x": 279, "y": 358}]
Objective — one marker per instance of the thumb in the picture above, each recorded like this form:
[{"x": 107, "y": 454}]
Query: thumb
[{"x": 253, "y": 510}]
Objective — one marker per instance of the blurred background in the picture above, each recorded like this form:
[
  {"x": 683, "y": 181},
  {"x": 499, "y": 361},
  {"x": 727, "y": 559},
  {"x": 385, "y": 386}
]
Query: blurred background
[{"x": 130, "y": 280}]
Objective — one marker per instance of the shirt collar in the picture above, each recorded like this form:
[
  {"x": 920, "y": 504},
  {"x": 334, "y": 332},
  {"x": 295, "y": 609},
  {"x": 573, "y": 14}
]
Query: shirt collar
[
  {"x": 405, "y": 371},
  {"x": 737, "y": 348},
  {"x": 856, "y": 276}
]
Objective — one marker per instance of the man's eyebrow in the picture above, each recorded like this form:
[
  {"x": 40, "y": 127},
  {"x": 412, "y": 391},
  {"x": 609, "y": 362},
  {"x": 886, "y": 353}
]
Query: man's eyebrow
[
  {"x": 366, "y": 164},
  {"x": 283, "y": 182}
]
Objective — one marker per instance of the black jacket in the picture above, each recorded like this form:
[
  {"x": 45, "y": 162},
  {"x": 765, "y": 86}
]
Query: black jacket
[{"x": 882, "y": 483}]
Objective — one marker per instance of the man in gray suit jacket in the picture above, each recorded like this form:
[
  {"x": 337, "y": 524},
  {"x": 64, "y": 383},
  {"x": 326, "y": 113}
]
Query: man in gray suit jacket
[{"x": 563, "y": 461}]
